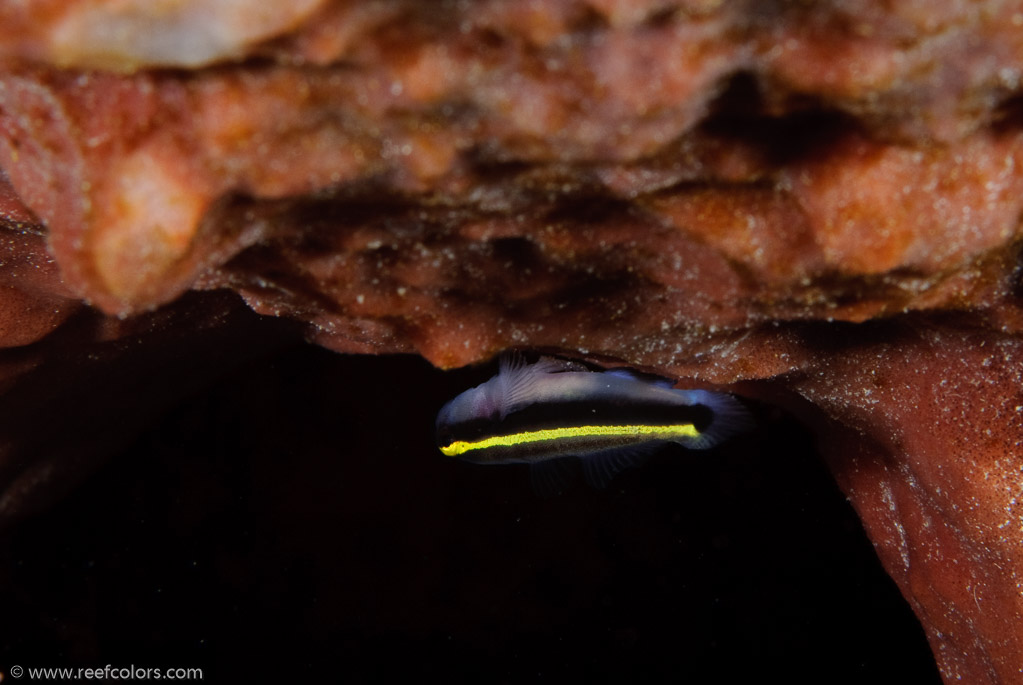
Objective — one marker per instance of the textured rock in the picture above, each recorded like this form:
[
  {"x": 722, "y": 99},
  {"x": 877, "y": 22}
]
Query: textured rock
[
  {"x": 34, "y": 300},
  {"x": 936, "y": 474},
  {"x": 128, "y": 35},
  {"x": 816, "y": 204}
]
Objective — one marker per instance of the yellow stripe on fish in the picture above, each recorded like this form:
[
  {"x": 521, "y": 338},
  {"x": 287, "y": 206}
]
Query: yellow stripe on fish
[{"x": 669, "y": 432}]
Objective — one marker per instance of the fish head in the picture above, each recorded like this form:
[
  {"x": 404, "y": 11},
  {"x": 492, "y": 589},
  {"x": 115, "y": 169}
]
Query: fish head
[{"x": 474, "y": 405}]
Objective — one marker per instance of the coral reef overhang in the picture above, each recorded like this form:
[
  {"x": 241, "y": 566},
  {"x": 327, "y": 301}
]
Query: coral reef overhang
[{"x": 814, "y": 205}]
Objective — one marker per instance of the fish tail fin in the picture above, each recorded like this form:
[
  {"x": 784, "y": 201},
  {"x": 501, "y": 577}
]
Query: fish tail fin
[{"x": 729, "y": 418}]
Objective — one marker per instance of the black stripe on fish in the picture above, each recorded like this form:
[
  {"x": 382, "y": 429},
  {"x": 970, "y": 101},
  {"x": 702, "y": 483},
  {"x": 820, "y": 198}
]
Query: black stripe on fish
[{"x": 542, "y": 412}]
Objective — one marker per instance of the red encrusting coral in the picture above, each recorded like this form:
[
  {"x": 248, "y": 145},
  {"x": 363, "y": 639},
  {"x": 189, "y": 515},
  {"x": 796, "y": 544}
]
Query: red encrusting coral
[
  {"x": 933, "y": 414},
  {"x": 813, "y": 204}
]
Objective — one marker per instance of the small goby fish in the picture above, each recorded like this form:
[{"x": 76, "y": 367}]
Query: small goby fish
[{"x": 545, "y": 412}]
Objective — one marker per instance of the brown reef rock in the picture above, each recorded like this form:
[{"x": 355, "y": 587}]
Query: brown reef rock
[{"x": 816, "y": 204}]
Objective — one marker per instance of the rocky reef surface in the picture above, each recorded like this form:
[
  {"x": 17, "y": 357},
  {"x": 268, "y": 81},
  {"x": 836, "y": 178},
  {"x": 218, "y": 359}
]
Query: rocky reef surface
[{"x": 812, "y": 205}]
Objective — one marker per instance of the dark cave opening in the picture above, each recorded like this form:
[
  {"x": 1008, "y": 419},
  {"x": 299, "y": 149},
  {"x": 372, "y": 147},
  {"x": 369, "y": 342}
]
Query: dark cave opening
[{"x": 294, "y": 520}]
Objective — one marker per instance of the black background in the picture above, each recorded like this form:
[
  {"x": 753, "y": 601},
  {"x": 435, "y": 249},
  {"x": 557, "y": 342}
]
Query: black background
[{"x": 294, "y": 520}]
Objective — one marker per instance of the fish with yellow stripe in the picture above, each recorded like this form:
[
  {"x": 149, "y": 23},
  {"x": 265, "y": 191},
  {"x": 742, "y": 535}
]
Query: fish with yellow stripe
[{"x": 545, "y": 412}]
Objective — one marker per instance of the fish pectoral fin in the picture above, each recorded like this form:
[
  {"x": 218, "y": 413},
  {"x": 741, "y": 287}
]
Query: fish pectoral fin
[
  {"x": 518, "y": 380},
  {"x": 601, "y": 467},
  {"x": 550, "y": 477}
]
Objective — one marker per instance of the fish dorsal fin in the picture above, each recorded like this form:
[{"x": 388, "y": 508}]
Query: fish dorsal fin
[
  {"x": 517, "y": 380},
  {"x": 601, "y": 467},
  {"x": 637, "y": 376}
]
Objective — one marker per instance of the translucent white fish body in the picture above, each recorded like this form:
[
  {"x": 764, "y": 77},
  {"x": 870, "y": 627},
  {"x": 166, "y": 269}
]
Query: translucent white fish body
[{"x": 541, "y": 412}]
